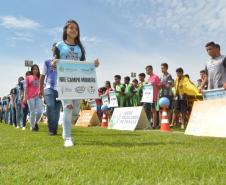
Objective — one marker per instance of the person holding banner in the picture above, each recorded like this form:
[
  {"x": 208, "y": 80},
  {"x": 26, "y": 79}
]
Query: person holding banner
[
  {"x": 128, "y": 91},
  {"x": 153, "y": 80},
  {"x": 108, "y": 88},
  {"x": 101, "y": 91},
  {"x": 215, "y": 67},
  {"x": 136, "y": 93},
  {"x": 70, "y": 48},
  {"x": 119, "y": 90}
]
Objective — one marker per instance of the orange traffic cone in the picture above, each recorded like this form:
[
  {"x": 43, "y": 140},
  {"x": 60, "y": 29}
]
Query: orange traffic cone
[
  {"x": 104, "y": 122},
  {"x": 165, "y": 127}
]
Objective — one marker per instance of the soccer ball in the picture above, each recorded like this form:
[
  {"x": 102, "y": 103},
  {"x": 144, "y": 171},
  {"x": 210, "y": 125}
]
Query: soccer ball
[{"x": 164, "y": 102}]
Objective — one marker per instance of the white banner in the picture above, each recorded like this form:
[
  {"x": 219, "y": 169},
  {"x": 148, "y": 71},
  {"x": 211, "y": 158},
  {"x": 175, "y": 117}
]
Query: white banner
[
  {"x": 208, "y": 119},
  {"x": 147, "y": 94},
  {"x": 93, "y": 105},
  {"x": 113, "y": 99},
  {"x": 105, "y": 100},
  {"x": 76, "y": 80},
  {"x": 214, "y": 94},
  {"x": 128, "y": 118}
]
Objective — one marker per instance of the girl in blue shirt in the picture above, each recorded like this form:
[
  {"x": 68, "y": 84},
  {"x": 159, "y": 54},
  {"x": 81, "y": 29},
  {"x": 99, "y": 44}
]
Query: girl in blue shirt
[{"x": 70, "y": 48}]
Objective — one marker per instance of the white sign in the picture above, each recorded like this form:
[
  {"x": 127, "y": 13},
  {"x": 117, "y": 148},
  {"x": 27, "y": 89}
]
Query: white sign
[
  {"x": 147, "y": 93},
  {"x": 214, "y": 94},
  {"x": 105, "y": 100},
  {"x": 208, "y": 118},
  {"x": 113, "y": 99},
  {"x": 93, "y": 105},
  {"x": 76, "y": 80},
  {"x": 128, "y": 118}
]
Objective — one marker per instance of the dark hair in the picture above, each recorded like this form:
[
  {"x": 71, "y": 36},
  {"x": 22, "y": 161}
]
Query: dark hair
[
  {"x": 187, "y": 75},
  {"x": 142, "y": 75},
  {"x": 77, "y": 39},
  {"x": 213, "y": 44},
  {"x": 102, "y": 89},
  {"x": 108, "y": 82},
  {"x": 32, "y": 68},
  {"x": 179, "y": 70},
  {"x": 21, "y": 78},
  {"x": 54, "y": 44},
  {"x": 135, "y": 80},
  {"x": 118, "y": 77},
  {"x": 28, "y": 73},
  {"x": 203, "y": 71},
  {"x": 127, "y": 78},
  {"x": 165, "y": 65},
  {"x": 149, "y": 66}
]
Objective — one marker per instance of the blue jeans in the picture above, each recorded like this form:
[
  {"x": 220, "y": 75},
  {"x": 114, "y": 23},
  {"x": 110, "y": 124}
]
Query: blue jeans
[
  {"x": 10, "y": 114},
  {"x": 53, "y": 107},
  {"x": 69, "y": 115},
  {"x": 6, "y": 116},
  {"x": 19, "y": 114},
  {"x": 35, "y": 106}
]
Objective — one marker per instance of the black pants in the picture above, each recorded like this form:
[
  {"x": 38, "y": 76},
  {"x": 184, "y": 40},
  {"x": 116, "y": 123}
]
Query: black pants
[{"x": 25, "y": 113}]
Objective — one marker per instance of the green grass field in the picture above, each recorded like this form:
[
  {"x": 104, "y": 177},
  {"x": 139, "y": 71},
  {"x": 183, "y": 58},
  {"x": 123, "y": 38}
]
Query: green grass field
[{"x": 106, "y": 157}]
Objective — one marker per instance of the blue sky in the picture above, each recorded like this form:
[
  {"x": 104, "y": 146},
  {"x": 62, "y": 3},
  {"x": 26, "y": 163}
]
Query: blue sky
[{"x": 126, "y": 35}]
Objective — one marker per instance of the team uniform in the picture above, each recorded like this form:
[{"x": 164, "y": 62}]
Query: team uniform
[
  {"x": 120, "y": 94},
  {"x": 154, "y": 80},
  {"x": 216, "y": 70},
  {"x": 167, "y": 91},
  {"x": 76, "y": 53}
]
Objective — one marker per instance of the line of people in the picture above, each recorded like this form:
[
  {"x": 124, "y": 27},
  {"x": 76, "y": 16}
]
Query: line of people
[
  {"x": 181, "y": 93},
  {"x": 32, "y": 91}
]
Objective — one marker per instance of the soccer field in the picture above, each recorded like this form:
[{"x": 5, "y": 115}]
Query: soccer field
[{"x": 106, "y": 157}]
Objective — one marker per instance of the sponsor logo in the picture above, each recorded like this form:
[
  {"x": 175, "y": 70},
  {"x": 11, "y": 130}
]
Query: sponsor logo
[
  {"x": 87, "y": 70},
  {"x": 80, "y": 89},
  {"x": 71, "y": 70},
  {"x": 91, "y": 90}
]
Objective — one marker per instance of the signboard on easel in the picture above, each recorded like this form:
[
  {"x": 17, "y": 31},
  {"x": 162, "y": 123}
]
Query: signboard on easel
[{"x": 128, "y": 118}]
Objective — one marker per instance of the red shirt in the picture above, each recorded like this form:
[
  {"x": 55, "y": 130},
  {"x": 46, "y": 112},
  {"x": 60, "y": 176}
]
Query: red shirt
[
  {"x": 154, "y": 80},
  {"x": 32, "y": 86}
]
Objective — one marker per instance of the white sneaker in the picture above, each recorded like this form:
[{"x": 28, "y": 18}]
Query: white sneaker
[
  {"x": 68, "y": 143},
  {"x": 23, "y": 128},
  {"x": 17, "y": 127}
]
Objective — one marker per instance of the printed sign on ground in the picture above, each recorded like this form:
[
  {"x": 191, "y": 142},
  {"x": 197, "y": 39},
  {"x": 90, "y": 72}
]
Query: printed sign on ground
[
  {"x": 93, "y": 105},
  {"x": 87, "y": 118},
  {"x": 208, "y": 119},
  {"x": 128, "y": 118}
]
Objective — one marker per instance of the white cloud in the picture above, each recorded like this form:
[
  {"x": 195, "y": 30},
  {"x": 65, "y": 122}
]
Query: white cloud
[
  {"x": 202, "y": 20},
  {"x": 55, "y": 33},
  {"x": 27, "y": 37},
  {"x": 18, "y": 22},
  {"x": 90, "y": 40}
]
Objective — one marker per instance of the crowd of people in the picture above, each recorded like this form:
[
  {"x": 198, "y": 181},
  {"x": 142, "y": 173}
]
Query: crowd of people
[{"x": 36, "y": 90}]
